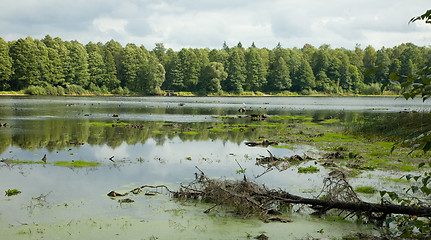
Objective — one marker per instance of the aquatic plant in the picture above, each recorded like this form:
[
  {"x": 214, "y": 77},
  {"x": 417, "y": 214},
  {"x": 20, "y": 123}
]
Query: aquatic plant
[
  {"x": 12, "y": 192},
  {"x": 309, "y": 169}
]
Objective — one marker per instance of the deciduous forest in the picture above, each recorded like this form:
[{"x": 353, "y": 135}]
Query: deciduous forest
[{"x": 52, "y": 66}]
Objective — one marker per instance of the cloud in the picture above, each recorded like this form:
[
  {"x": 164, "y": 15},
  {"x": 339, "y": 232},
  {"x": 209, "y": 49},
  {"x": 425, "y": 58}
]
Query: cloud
[{"x": 193, "y": 23}]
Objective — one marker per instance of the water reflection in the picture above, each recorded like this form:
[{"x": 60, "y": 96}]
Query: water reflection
[{"x": 167, "y": 143}]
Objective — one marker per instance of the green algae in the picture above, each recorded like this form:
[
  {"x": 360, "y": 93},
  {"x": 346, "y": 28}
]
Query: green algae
[
  {"x": 365, "y": 189},
  {"x": 76, "y": 164}
]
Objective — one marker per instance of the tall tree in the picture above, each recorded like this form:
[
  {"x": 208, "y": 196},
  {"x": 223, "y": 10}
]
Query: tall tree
[
  {"x": 211, "y": 77},
  {"x": 304, "y": 77},
  {"x": 382, "y": 63},
  {"x": 133, "y": 59},
  {"x": 189, "y": 68},
  {"x": 25, "y": 66},
  {"x": 369, "y": 60},
  {"x": 279, "y": 76},
  {"x": 153, "y": 74},
  {"x": 236, "y": 72},
  {"x": 79, "y": 64},
  {"x": 255, "y": 70},
  {"x": 5, "y": 65}
]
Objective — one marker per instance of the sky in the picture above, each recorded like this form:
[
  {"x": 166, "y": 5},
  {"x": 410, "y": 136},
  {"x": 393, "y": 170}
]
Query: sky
[{"x": 208, "y": 24}]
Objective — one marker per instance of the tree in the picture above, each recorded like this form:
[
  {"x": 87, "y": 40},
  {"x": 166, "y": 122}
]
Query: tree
[
  {"x": 79, "y": 64},
  {"x": 236, "y": 72},
  {"x": 211, "y": 77},
  {"x": 110, "y": 78},
  {"x": 188, "y": 69},
  {"x": 304, "y": 78},
  {"x": 369, "y": 61},
  {"x": 279, "y": 76},
  {"x": 153, "y": 74},
  {"x": 255, "y": 71},
  {"x": 132, "y": 62},
  {"x": 96, "y": 68},
  {"x": 5, "y": 65},
  {"x": 382, "y": 63},
  {"x": 24, "y": 65},
  {"x": 174, "y": 80},
  {"x": 160, "y": 52}
]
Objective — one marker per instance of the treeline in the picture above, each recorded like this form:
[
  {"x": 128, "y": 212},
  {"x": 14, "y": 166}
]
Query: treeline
[{"x": 53, "y": 66}]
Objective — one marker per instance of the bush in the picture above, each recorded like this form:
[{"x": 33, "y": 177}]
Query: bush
[
  {"x": 35, "y": 90},
  {"x": 372, "y": 89},
  {"x": 95, "y": 89},
  {"x": 74, "y": 89}
]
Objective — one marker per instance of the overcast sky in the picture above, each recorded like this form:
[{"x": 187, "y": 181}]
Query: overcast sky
[{"x": 207, "y": 24}]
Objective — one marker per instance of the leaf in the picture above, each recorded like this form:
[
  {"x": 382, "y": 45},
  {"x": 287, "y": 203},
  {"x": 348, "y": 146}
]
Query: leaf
[
  {"x": 389, "y": 220},
  {"x": 382, "y": 193},
  {"x": 370, "y": 72},
  {"x": 426, "y": 190},
  {"x": 394, "y": 76},
  {"x": 421, "y": 165},
  {"x": 426, "y": 148}
]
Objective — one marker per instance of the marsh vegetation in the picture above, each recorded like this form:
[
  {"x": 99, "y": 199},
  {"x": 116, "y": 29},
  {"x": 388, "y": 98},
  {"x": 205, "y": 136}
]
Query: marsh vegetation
[{"x": 72, "y": 151}]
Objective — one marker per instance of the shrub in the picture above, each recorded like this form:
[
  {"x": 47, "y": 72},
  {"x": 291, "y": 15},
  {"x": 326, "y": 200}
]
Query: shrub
[
  {"x": 35, "y": 90},
  {"x": 74, "y": 89}
]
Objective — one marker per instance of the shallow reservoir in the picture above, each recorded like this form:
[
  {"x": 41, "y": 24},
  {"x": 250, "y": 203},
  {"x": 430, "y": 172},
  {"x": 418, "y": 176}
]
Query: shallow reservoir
[{"x": 139, "y": 141}]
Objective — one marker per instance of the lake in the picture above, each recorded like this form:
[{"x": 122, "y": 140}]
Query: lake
[{"x": 156, "y": 140}]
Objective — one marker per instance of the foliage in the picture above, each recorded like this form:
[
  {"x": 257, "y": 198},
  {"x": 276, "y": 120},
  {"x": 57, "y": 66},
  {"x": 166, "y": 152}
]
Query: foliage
[
  {"x": 101, "y": 68},
  {"x": 309, "y": 169},
  {"x": 77, "y": 164},
  {"x": 365, "y": 189},
  {"x": 414, "y": 84},
  {"x": 12, "y": 192}
]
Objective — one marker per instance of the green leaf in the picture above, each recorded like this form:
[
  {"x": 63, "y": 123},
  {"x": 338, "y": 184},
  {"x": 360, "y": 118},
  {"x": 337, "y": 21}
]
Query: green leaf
[
  {"x": 426, "y": 190},
  {"x": 427, "y": 147},
  {"x": 421, "y": 165},
  {"x": 394, "y": 76}
]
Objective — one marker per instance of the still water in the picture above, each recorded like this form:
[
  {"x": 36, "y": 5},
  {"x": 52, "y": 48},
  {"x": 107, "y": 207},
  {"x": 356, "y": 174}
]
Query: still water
[{"x": 168, "y": 139}]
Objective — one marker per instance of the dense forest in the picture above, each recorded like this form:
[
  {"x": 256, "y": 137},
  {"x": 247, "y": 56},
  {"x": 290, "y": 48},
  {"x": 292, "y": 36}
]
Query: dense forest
[{"x": 56, "y": 67}]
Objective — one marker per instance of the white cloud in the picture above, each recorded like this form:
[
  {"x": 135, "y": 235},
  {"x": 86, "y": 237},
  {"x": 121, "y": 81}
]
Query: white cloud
[
  {"x": 109, "y": 25},
  {"x": 193, "y": 23}
]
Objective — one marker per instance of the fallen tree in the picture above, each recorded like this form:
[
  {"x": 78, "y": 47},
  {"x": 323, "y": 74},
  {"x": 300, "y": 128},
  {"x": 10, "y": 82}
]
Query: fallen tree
[{"x": 246, "y": 198}]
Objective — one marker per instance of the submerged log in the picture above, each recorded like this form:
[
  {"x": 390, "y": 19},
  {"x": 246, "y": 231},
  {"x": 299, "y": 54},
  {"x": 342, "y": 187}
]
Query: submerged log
[{"x": 352, "y": 206}]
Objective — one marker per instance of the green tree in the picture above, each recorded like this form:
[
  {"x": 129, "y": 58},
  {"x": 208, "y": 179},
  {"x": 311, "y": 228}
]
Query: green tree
[
  {"x": 188, "y": 69},
  {"x": 255, "y": 71},
  {"x": 153, "y": 74},
  {"x": 110, "y": 78},
  {"x": 236, "y": 72},
  {"x": 160, "y": 52},
  {"x": 78, "y": 74},
  {"x": 304, "y": 77},
  {"x": 369, "y": 60},
  {"x": 24, "y": 66},
  {"x": 133, "y": 59},
  {"x": 211, "y": 77},
  {"x": 5, "y": 65},
  {"x": 279, "y": 76},
  {"x": 96, "y": 68},
  {"x": 382, "y": 63}
]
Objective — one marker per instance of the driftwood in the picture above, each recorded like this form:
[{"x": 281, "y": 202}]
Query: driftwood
[
  {"x": 246, "y": 198},
  {"x": 263, "y": 143}
]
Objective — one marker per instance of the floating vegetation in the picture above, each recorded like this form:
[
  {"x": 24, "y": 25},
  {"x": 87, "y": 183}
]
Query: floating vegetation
[
  {"x": 107, "y": 124},
  {"x": 309, "y": 169},
  {"x": 76, "y": 164},
  {"x": 12, "y": 192},
  {"x": 365, "y": 189}
]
